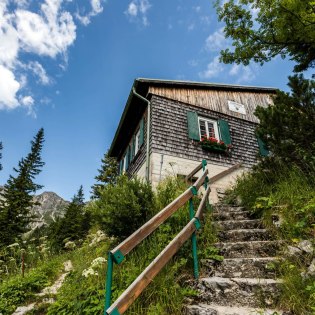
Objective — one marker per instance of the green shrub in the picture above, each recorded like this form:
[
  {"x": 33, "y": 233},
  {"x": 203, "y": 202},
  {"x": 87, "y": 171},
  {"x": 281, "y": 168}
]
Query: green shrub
[
  {"x": 164, "y": 295},
  {"x": 124, "y": 207}
]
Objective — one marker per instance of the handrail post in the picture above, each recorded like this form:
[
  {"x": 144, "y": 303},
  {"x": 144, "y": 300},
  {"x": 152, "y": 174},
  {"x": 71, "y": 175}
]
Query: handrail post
[
  {"x": 204, "y": 165},
  {"x": 109, "y": 280},
  {"x": 194, "y": 240}
]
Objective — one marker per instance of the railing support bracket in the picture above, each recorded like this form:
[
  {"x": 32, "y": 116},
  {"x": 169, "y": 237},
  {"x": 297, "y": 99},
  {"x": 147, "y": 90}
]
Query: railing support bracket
[
  {"x": 194, "y": 190},
  {"x": 118, "y": 257},
  {"x": 197, "y": 223}
]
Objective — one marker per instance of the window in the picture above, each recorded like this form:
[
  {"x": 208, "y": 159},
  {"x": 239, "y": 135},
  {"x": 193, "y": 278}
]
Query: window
[
  {"x": 137, "y": 141},
  {"x": 125, "y": 163},
  {"x": 208, "y": 128},
  {"x": 199, "y": 127}
]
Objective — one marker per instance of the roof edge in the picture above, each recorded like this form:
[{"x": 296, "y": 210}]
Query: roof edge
[{"x": 197, "y": 84}]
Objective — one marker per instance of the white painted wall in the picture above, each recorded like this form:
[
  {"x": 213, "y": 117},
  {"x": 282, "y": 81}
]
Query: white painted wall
[{"x": 162, "y": 167}]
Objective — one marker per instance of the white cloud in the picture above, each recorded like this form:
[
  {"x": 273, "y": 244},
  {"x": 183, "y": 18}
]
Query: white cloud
[
  {"x": 8, "y": 89},
  {"x": 243, "y": 74},
  {"x": 49, "y": 31},
  {"x": 137, "y": 11},
  {"x": 9, "y": 46},
  {"x": 132, "y": 9},
  {"x": 27, "y": 101},
  {"x": 197, "y": 8},
  {"x": 40, "y": 72},
  {"x": 96, "y": 8},
  {"x": 216, "y": 41},
  {"x": 213, "y": 69}
]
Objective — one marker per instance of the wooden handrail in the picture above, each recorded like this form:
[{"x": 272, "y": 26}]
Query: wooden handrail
[
  {"x": 134, "y": 239},
  {"x": 144, "y": 279},
  {"x": 202, "y": 203},
  {"x": 224, "y": 173},
  {"x": 193, "y": 172},
  {"x": 201, "y": 179},
  {"x": 118, "y": 253},
  {"x": 135, "y": 289}
]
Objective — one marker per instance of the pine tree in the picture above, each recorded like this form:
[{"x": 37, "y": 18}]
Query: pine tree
[
  {"x": 74, "y": 225},
  {"x": 288, "y": 126},
  {"x": 17, "y": 196},
  {"x": 107, "y": 174},
  {"x": 1, "y": 147}
]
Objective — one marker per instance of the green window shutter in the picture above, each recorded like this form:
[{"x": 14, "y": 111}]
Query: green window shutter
[
  {"x": 224, "y": 131},
  {"x": 133, "y": 147},
  {"x": 141, "y": 140},
  {"x": 193, "y": 126},
  {"x": 127, "y": 158},
  {"x": 121, "y": 164},
  {"x": 262, "y": 147}
]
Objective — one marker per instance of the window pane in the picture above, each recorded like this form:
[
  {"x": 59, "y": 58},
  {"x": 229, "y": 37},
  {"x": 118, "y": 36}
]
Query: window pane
[
  {"x": 203, "y": 130},
  {"x": 211, "y": 129},
  {"x": 137, "y": 141}
]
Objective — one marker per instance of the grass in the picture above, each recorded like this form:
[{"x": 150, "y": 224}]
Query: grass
[
  {"x": 164, "y": 295},
  {"x": 284, "y": 198},
  {"x": 83, "y": 290},
  {"x": 16, "y": 290}
]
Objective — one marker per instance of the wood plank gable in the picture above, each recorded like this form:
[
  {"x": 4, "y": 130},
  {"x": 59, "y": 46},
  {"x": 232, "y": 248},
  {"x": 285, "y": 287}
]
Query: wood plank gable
[{"x": 217, "y": 100}]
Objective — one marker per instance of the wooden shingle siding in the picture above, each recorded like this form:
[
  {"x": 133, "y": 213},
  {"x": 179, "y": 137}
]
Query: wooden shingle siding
[
  {"x": 139, "y": 159},
  {"x": 216, "y": 100},
  {"x": 169, "y": 134}
]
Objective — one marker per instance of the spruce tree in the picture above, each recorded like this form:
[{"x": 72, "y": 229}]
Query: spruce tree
[
  {"x": 74, "y": 225},
  {"x": 1, "y": 147},
  {"x": 288, "y": 126},
  {"x": 107, "y": 174},
  {"x": 17, "y": 197}
]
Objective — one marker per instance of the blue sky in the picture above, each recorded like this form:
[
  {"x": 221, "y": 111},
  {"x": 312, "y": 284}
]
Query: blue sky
[{"x": 68, "y": 66}]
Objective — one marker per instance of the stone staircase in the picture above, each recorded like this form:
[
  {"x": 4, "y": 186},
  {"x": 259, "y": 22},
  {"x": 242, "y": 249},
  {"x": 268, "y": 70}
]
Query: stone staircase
[{"x": 243, "y": 283}]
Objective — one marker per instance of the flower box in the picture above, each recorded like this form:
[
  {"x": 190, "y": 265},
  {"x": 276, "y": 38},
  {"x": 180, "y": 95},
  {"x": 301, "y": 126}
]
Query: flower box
[{"x": 214, "y": 145}]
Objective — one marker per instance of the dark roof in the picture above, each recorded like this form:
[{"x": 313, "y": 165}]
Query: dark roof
[
  {"x": 142, "y": 82},
  {"x": 135, "y": 107}
]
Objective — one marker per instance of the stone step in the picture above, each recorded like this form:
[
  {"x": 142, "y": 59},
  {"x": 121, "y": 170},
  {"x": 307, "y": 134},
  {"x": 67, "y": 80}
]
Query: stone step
[
  {"x": 244, "y": 235},
  {"x": 228, "y": 208},
  {"x": 239, "y": 224},
  {"x": 249, "y": 249},
  {"x": 252, "y": 292},
  {"x": 242, "y": 267},
  {"x": 231, "y": 215},
  {"x": 204, "y": 309}
]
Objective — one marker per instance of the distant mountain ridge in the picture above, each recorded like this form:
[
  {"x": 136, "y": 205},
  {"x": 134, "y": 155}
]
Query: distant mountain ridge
[{"x": 50, "y": 207}]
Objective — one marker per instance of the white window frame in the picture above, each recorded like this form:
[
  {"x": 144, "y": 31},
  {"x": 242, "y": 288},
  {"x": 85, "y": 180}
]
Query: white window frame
[
  {"x": 215, "y": 126},
  {"x": 124, "y": 162},
  {"x": 137, "y": 142}
]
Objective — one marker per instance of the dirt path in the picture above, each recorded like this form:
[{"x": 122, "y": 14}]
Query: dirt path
[{"x": 52, "y": 290}]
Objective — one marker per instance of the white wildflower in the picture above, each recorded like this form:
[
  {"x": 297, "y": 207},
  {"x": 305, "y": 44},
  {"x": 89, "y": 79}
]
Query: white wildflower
[
  {"x": 13, "y": 245},
  {"x": 89, "y": 272},
  {"x": 70, "y": 245},
  {"x": 98, "y": 237},
  {"x": 98, "y": 261}
]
